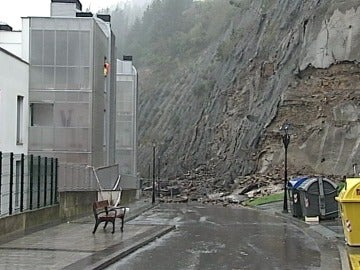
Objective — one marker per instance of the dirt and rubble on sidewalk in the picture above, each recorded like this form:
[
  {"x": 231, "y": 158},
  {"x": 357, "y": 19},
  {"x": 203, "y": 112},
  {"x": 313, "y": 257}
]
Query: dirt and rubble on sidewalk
[{"x": 203, "y": 186}]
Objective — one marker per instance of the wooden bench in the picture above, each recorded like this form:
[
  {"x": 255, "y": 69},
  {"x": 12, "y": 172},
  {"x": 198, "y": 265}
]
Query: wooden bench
[{"x": 104, "y": 212}]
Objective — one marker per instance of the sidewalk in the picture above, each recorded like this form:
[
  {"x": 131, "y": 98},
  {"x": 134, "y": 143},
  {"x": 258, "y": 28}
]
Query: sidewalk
[
  {"x": 329, "y": 229},
  {"x": 73, "y": 246}
]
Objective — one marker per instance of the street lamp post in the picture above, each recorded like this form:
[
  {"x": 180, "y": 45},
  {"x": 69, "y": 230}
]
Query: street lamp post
[
  {"x": 285, "y": 135},
  {"x": 158, "y": 174},
  {"x": 153, "y": 170}
]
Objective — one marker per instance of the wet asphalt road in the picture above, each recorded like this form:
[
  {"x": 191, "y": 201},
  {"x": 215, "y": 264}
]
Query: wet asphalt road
[{"x": 216, "y": 237}]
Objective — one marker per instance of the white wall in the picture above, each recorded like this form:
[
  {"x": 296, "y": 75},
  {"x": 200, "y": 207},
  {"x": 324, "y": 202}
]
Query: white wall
[
  {"x": 11, "y": 41},
  {"x": 14, "y": 82}
]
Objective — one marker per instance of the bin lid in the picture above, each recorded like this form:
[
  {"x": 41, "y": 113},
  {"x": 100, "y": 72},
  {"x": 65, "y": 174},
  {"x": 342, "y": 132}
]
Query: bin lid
[
  {"x": 351, "y": 191},
  {"x": 305, "y": 185},
  {"x": 297, "y": 181}
]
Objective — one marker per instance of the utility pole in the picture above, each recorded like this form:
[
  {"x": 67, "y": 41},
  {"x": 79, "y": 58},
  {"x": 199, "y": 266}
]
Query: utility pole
[{"x": 153, "y": 183}]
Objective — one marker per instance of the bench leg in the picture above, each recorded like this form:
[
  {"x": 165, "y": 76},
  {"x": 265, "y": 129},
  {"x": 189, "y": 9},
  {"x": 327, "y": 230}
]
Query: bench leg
[
  {"x": 106, "y": 222},
  {"x": 122, "y": 224},
  {"x": 95, "y": 228},
  {"x": 113, "y": 226}
]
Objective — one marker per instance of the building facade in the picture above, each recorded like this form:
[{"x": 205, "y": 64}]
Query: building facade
[
  {"x": 80, "y": 109},
  {"x": 69, "y": 92},
  {"x": 126, "y": 121}
]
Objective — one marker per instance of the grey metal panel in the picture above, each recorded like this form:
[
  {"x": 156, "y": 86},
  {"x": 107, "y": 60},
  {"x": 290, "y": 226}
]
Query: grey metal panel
[
  {"x": 42, "y": 138},
  {"x": 36, "y": 77},
  {"x": 67, "y": 70},
  {"x": 85, "y": 48},
  {"x": 75, "y": 139},
  {"x": 36, "y": 42},
  {"x": 126, "y": 142},
  {"x": 76, "y": 178},
  {"x": 125, "y": 160},
  {"x": 107, "y": 176},
  {"x": 72, "y": 114},
  {"x": 41, "y": 96},
  {"x": 48, "y": 77},
  {"x": 81, "y": 177},
  {"x": 60, "y": 77},
  {"x": 73, "y": 96},
  {"x": 49, "y": 47},
  {"x": 98, "y": 110},
  {"x": 42, "y": 114},
  {"x": 63, "y": 9},
  {"x": 129, "y": 182},
  {"x": 112, "y": 101},
  {"x": 61, "y": 47}
]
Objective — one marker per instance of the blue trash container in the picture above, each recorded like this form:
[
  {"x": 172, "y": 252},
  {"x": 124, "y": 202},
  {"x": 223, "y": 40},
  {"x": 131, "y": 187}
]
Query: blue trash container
[{"x": 294, "y": 195}]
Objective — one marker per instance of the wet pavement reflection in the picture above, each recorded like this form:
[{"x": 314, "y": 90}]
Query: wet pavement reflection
[{"x": 216, "y": 237}]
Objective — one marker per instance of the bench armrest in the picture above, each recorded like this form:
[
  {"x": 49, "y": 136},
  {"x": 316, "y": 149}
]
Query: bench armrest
[
  {"x": 106, "y": 210},
  {"x": 123, "y": 208}
]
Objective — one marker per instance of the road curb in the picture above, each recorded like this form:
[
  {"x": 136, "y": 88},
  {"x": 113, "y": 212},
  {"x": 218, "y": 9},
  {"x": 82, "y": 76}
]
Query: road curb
[
  {"x": 110, "y": 255},
  {"x": 345, "y": 262},
  {"x": 137, "y": 244}
]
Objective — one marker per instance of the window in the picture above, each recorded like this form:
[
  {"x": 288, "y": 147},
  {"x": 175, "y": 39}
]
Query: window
[
  {"x": 41, "y": 114},
  {"x": 20, "y": 120}
]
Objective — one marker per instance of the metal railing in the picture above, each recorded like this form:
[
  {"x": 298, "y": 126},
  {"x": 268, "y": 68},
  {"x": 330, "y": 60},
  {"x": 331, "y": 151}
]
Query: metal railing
[{"x": 27, "y": 182}]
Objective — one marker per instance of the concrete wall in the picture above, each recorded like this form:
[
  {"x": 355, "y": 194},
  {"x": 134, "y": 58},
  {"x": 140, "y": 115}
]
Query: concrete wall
[
  {"x": 76, "y": 204},
  {"x": 72, "y": 205},
  {"x": 20, "y": 223},
  {"x": 129, "y": 195}
]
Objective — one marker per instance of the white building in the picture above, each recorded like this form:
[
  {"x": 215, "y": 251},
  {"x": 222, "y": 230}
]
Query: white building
[
  {"x": 11, "y": 40},
  {"x": 14, "y": 112},
  {"x": 14, "y": 89}
]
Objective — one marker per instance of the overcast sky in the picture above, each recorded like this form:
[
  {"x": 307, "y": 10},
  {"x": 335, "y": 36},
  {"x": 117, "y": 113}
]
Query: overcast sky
[{"x": 11, "y": 11}]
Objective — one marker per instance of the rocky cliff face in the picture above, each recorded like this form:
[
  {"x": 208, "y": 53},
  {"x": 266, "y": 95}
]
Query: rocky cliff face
[{"x": 292, "y": 60}]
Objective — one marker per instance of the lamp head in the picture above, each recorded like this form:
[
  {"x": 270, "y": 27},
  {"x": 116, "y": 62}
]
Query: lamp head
[{"x": 286, "y": 129}]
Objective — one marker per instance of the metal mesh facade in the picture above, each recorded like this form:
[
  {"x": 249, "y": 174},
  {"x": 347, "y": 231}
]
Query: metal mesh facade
[
  {"x": 126, "y": 130},
  {"x": 67, "y": 89}
]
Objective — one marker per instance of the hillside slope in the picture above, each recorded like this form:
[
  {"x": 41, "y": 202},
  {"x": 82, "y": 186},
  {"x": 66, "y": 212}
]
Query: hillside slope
[{"x": 278, "y": 60}]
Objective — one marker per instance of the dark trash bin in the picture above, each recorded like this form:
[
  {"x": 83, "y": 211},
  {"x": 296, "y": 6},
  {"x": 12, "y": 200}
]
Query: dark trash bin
[
  {"x": 294, "y": 195},
  {"x": 317, "y": 198}
]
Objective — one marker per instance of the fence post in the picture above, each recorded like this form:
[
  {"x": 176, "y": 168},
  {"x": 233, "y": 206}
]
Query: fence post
[
  {"x": 31, "y": 176},
  {"x": 45, "y": 179},
  {"x": 56, "y": 181},
  {"x": 38, "y": 184},
  {"x": 22, "y": 183},
  {"x": 0, "y": 178},
  {"x": 51, "y": 180},
  {"x": 11, "y": 182}
]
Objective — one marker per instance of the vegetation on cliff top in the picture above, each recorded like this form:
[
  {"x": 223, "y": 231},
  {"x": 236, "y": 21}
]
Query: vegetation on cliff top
[{"x": 172, "y": 32}]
